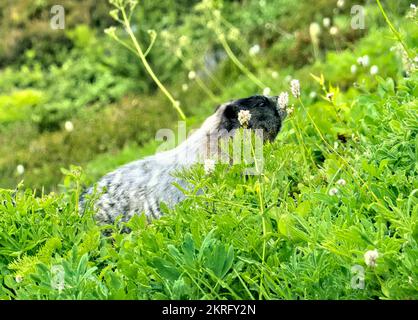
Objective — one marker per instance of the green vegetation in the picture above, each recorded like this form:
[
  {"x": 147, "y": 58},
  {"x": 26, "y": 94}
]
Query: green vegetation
[{"x": 339, "y": 181}]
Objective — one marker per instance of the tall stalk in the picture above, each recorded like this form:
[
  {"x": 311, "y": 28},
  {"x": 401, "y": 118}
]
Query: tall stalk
[
  {"x": 125, "y": 21},
  {"x": 394, "y": 31}
]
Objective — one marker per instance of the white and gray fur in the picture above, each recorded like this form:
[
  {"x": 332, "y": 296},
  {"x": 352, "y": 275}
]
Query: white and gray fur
[{"x": 140, "y": 186}]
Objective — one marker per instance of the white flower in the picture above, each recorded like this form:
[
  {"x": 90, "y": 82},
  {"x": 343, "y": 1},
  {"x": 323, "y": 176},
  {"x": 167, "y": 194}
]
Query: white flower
[
  {"x": 295, "y": 88},
  {"x": 353, "y": 69},
  {"x": 326, "y": 22},
  {"x": 363, "y": 61},
  {"x": 314, "y": 30},
  {"x": 312, "y": 95},
  {"x": 283, "y": 100},
  {"x": 366, "y": 60},
  {"x": 18, "y": 278},
  {"x": 340, "y": 3},
  {"x": 192, "y": 75},
  {"x": 330, "y": 95},
  {"x": 254, "y": 50},
  {"x": 333, "y": 191},
  {"x": 266, "y": 91},
  {"x": 274, "y": 74},
  {"x": 68, "y": 126},
  {"x": 209, "y": 166},
  {"x": 374, "y": 70},
  {"x": 342, "y": 182},
  {"x": 20, "y": 169},
  {"x": 333, "y": 31},
  {"x": 244, "y": 117},
  {"x": 290, "y": 110},
  {"x": 370, "y": 258},
  {"x": 413, "y": 12},
  {"x": 184, "y": 87}
]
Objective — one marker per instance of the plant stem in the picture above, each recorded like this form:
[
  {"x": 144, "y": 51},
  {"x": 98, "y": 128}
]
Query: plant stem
[
  {"x": 148, "y": 67},
  {"x": 205, "y": 88},
  {"x": 238, "y": 63},
  {"x": 392, "y": 28},
  {"x": 260, "y": 296}
]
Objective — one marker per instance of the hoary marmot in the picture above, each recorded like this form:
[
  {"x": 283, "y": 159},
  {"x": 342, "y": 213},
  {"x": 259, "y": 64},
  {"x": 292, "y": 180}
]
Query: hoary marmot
[{"x": 140, "y": 186}]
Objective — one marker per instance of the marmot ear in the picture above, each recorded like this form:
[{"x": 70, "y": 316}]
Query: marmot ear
[{"x": 229, "y": 117}]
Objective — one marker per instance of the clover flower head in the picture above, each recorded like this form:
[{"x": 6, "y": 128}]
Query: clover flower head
[
  {"x": 68, "y": 126},
  {"x": 370, "y": 258},
  {"x": 330, "y": 96},
  {"x": 283, "y": 100},
  {"x": 333, "y": 31},
  {"x": 209, "y": 166},
  {"x": 333, "y": 191},
  {"x": 20, "y": 169},
  {"x": 326, "y": 22},
  {"x": 254, "y": 50},
  {"x": 374, "y": 70},
  {"x": 341, "y": 182},
  {"x": 192, "y": 75},
  {"x": 295, "y": 88},
  {"x": 412, "y": 12},
  {"x": 363, "y": 61},
  {"x": 266, "y": 91},
  {"x": 314, "y": 30},
  {"x": 244, "y": 117},
  {"x": 340, "y": 3}
]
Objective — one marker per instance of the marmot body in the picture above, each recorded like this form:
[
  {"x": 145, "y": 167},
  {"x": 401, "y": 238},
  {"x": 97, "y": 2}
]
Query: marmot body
[{"x": 140, "y": 186}]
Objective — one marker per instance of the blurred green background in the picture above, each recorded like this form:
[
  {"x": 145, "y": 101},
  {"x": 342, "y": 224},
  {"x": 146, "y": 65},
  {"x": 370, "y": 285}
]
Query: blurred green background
[{"x": 75, "y": 96}]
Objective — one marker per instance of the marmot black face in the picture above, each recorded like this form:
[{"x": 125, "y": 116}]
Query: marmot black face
[
  {"x": 140, "y": 186},
  {"x": 264, "y": 111}
]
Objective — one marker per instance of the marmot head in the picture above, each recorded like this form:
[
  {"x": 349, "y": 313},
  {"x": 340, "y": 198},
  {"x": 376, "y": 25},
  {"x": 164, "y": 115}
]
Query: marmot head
[{"x": 265, "y": 115}]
